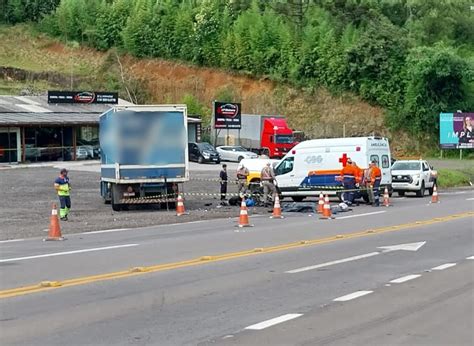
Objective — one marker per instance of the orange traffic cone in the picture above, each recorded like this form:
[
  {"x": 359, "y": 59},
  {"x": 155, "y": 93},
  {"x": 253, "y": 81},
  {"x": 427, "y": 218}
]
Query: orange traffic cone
[
  {"x": 386, "y": 200},
  {"x": 434, "y": 196},
  {"x": 320, "y": 204},
  {"x": 327, "y": 209},
  {"x": 244, "y": 215},
  {"x": 180, "y": 206},
  {"x": 277, "y": 209},
  {"x": 54, "y": 228}
]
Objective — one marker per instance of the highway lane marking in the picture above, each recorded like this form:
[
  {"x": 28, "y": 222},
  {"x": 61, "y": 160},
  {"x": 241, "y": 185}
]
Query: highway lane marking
[
  {"x": 273, "y": 321},
  {"x": 327, "y": 264},
  {"x": 33, "y": 288},
  {"x": 359, "y": 215},
  {"x": 107, "y": 231},
  {"x": 351, "y": 296},
  {"x": 385, "y": 249},
  {"x": 405, "y": 279},
  {"x": 66, "y": 253},
  {"x": 470, "y": 199},
  {"x": 472, "y": 257},
  {"x": 10, "y": 241},
  {"x": 444, "y": 266}
]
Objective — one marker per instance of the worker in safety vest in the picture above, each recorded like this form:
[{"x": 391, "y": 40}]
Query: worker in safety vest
[
  {"x": 268, "y": 181},
  {"x": 359, "y": 176},
  {"x": 348, "y": 177},
  {"x": 374, "y": 184},
  {"x": 242, "y": 174},
  {"x": 63, "y": 188}
]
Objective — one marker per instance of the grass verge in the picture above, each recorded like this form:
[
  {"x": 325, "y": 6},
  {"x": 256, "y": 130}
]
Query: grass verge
[{"x": 454, "y": 178}]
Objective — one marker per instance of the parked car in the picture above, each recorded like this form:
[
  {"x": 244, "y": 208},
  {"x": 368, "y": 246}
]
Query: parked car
[
  {"x": 92, "y": 147},
  {"x": 235, "y": 153},
  {"x": 413, "y": 176},
  {"x": 203, "y": 152}
]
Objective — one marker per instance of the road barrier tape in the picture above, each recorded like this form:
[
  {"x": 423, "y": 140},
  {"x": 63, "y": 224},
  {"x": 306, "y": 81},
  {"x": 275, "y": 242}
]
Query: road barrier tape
[{"x": 171, "y": 198}]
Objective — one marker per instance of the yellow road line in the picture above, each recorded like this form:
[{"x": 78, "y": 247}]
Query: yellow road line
[{"x": 52, "y": 285}]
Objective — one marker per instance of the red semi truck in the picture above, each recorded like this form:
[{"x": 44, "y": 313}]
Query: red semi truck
[{"x": 263, "y": 134}]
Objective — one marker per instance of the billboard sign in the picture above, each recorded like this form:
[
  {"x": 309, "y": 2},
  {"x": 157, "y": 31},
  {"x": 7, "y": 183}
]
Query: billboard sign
[
  {"x": 82, "y": 97},
  {"x": 456, "y": 130},
  {"x": 227, "y": 115}
]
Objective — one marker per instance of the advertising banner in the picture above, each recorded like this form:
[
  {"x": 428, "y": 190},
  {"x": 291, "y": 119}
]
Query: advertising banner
[
  {"x": 83, "y": 97},
  {"x": 456, "y": 130},
  {"x": 227, "y": 115}
]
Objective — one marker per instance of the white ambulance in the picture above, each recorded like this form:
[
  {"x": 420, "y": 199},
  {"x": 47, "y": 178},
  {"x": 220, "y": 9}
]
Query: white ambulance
[{"x": 311, "y": 167}]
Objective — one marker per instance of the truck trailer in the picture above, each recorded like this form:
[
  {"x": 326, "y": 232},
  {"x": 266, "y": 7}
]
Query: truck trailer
[
  {"x": 144, "y": 154},
  {"x": 263, "y": 134}
]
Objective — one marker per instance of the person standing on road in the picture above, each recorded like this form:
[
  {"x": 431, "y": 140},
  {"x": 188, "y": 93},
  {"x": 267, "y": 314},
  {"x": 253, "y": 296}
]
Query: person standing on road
[
  {"x": 348, "y": 176},
  {"x": 242, "y": 174},
  {"x": 223, "y": 181},
  {"x": 374, "y": 184},
  {"x": 63, "y": 188},
  {"x": 268, "y": 181}
]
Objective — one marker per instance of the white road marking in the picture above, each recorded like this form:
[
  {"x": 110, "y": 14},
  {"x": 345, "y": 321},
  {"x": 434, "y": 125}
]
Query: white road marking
[
  {"x": 472, "y": 257},
  {"x": 444, "y": 266},
  {"x": 327, "y": 264},
  {"x": 10, "y": 241},
  {"x": 352, "y": 296},
  {"x": 405, "y": 247},
  {"x": 470, "y": 199},
  {"x": 405, "y": 279},
  {"x": 66, "y": 253},
  {"x": 106, "y": 231},
  {"x": 273, "y": 321},
  {"x": 359, "y": 215}
]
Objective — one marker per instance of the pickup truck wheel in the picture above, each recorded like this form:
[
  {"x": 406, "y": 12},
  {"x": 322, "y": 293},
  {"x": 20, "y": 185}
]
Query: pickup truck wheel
[
  {"x": 421, "y": 191},
  {"x": 430, "y": 190},
  {"x": 298, "y": 198},
  {"x": 401, "y": 193}
]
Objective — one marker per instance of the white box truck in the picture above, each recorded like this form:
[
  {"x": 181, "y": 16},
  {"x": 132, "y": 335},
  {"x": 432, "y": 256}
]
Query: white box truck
[{"x": 311, "y": 166}]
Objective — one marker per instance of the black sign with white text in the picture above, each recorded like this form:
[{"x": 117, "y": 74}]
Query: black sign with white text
[
  {"x": 84, "y": 97},
  {"x": 227, "y": 115}
]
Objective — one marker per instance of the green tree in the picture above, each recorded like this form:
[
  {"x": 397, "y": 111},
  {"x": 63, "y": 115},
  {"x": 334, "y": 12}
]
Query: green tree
[
  {"x": 376, "y": 62},
  {"x": 111, "y": 19},
  {"x": 437, "y": 81},
  {"x": 137, "y": 34}
]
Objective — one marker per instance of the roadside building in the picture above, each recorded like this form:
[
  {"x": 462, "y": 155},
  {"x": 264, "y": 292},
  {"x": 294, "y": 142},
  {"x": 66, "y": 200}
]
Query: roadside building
[{"x": 33, "y": 130}]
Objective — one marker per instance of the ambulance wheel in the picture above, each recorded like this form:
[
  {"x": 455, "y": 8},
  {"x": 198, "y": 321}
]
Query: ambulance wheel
[{"x": 298, "y": 198}]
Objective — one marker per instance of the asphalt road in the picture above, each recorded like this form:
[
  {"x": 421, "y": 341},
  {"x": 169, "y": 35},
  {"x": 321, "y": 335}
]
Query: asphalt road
[{"x": 300, "y": 280}]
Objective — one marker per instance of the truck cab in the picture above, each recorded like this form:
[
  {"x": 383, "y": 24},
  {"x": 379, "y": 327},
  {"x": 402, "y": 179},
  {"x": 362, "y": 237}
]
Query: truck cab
[{"x": 277, "y": 138}]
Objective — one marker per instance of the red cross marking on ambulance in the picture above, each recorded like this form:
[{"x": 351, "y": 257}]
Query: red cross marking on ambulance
[{"x": 343, "y": 160}]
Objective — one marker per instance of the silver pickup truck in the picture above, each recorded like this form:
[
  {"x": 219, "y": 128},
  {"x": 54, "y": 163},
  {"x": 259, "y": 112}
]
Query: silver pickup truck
[{"x": 413, "y": 176}]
